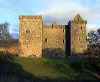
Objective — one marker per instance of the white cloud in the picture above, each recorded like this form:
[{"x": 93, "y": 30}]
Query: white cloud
[
  {"x": 64, "y": 11},
  {"x": 92, "y": 27},
  {"x": 52, "y": 10}
]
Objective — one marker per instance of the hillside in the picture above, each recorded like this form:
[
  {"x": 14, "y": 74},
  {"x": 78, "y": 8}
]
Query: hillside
[{"x": 28, "y": 69}]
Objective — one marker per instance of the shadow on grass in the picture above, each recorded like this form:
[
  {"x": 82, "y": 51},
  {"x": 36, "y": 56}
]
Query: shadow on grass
[
  {"x": 13, "y": 72},
  {"x": 81, "y": 69},
  {"x": 53, "y": 53},
  {"x": 86, "y": 68}
]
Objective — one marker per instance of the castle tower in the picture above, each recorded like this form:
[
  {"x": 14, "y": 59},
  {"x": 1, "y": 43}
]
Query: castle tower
[
  {"x": 30, "y": 36},
  {"x": 78, "y": 35}
]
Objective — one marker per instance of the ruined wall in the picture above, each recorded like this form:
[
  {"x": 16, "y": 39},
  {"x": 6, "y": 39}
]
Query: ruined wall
[
  {"x": 13, "y": 50},
  {"x": 78, "y": 35},
  {"x": 30, "y": 36},
  {"x": 54, "y": 40},
  {"x": 11, "y": 47}
]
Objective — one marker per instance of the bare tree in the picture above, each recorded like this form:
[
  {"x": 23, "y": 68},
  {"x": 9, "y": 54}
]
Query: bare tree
[
  {"x": 4, "y": 31},
  {"x": 92, "y": 37}
]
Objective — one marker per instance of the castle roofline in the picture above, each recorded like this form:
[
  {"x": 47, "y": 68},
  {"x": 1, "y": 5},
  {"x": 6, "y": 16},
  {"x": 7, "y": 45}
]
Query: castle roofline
[
  {"x": 78, "y": 19},
  {"x": 30, "y": 17}
]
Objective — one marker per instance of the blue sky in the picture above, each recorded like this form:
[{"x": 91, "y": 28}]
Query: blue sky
[{"x": 52, "y": 10}]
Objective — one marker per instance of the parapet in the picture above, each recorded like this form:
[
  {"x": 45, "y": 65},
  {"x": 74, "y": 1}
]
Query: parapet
[
  {"x": 79, "y": 20},
  {"x": 54, "y": 26},
  {"x": 30, "y": 17}
]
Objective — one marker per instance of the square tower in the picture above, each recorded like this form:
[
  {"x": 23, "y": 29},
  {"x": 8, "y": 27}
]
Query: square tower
[
  {"x": 78, "y": 35},
  {"x": 30, "y": 36}
]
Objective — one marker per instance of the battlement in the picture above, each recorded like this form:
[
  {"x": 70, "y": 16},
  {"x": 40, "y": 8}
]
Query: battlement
[
  {"x": 54, "y": 26},
  {"x": 78, "y": 20},
  {"x": 30, "y": 17}
]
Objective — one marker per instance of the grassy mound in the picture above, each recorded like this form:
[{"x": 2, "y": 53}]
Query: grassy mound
[{"x": 74, "y": 68}]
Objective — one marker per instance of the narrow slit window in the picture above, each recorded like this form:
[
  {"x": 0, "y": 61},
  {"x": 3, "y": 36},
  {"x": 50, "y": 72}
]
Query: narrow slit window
[
  {"x": 45, "y": 39},
  {"x": 81, "y": 27},
  {"x": 63, "y": 30},
  {"x": 63, "y": 41}
]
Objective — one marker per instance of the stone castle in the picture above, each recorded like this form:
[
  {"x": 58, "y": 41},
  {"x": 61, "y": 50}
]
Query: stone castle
[{"x": 39, "y": 40}]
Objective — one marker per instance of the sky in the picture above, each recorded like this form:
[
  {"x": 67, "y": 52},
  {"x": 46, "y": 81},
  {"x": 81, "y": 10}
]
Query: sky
[{"x": 52, "y": 10}]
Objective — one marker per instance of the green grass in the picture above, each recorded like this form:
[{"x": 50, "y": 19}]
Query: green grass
[
  {"x": 69, "y": 68},
  {"x": 46, "y": 67}
]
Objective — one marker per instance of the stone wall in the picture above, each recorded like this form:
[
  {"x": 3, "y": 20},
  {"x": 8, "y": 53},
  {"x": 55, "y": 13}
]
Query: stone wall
[
  {"x": 78, "y": 35},
  {"x": 30, "y": 36},
  {"x": 11, "y": 47},
  {"x": 54, "y": 40}
]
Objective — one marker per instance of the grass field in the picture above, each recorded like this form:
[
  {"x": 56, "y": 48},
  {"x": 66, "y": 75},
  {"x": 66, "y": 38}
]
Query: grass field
[{"x": 73, "y": 68}]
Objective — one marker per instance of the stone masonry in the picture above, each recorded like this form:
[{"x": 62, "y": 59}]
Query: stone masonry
[
  {"x": 39, "y": 40},
  {"x": 30, "y": 36},
  {"x": 78, "y": 35}
]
